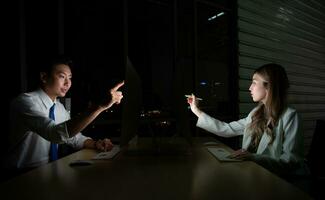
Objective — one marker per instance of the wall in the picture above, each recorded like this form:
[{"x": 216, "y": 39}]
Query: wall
[{"x": 292, "y": 34}]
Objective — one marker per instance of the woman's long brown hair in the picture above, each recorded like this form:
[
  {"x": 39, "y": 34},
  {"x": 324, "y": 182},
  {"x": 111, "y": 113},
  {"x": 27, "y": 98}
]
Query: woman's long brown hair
[{"x": 266, "y": 116}]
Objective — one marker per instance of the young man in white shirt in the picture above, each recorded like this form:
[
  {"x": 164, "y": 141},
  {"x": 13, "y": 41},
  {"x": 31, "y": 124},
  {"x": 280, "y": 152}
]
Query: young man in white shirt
[{"x": 33, "y": 130}]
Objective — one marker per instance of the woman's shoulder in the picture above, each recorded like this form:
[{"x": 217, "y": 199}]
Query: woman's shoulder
[
  {"x": 289, "y": 113},
  {"x": 253, "y": 110}
]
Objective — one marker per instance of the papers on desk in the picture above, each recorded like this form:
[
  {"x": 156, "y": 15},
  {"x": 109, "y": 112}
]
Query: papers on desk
[
  {"x": 221, "y": 154},
  {"x": 107, "y": 154}
]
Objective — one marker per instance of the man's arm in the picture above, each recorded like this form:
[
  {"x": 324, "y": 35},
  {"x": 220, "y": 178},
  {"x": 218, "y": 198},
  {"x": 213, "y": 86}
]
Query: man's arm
[
  {"x": 77, "y": 124},
  {"x": 80, "y": 122}
]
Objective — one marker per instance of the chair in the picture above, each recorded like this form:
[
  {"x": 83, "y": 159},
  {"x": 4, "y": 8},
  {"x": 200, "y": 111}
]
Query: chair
[{"x": 316, "y": 160}]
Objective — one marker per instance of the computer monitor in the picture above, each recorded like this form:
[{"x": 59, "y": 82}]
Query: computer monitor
[
  {"x": 132, "y": 104},
  {"x": 180, "y": 106},
  {"x": 132, "y": 100}
]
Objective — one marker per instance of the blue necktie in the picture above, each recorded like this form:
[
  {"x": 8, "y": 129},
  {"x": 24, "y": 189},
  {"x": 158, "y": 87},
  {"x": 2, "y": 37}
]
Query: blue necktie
[{"x": 54, "y": 147}]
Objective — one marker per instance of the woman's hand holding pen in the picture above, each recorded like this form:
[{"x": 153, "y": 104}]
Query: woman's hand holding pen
[{"x": 193, "y": 101}]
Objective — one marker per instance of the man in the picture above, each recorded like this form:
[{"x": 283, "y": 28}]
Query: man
[{"x": 39, "y": 121}]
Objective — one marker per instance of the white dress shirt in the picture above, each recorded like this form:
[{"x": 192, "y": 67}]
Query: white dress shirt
[
  {"x": 285, "y": 154},
  {"x": 32, "y": 131}
]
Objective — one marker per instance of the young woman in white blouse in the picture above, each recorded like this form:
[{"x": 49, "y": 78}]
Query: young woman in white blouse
[{"x": 272, "y": 134}]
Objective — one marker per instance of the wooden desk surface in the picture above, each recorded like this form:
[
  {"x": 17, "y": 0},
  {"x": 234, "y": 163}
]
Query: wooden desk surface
[{"x": 196, "y": 175}]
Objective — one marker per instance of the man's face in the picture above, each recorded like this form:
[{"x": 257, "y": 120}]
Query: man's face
[{"x": 58, "y": 83}]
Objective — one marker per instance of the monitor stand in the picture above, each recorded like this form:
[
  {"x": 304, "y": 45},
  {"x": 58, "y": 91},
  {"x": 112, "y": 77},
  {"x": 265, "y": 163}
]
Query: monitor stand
[{"x": 159, "y": 146}]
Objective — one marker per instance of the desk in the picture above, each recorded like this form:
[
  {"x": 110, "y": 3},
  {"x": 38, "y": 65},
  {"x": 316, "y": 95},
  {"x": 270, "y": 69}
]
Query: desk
[{"x": 197, "y": 175}]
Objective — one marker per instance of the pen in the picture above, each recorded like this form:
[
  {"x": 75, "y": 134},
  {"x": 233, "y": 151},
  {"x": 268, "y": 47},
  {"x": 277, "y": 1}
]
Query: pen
[{"x": 197, "y": 98}]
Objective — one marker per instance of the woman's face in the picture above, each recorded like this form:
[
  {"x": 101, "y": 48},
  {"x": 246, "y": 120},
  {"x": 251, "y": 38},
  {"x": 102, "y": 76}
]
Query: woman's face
[
  {"x": 257, "y": 89},
  {"x": 59, "y": 81}
]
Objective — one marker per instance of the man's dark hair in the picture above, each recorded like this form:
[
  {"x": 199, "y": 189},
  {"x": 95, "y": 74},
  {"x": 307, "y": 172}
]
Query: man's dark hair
[{"x": 47, "y": 66}]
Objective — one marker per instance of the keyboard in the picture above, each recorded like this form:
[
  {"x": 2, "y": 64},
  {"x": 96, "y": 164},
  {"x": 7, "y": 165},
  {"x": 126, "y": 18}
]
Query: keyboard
[
  {"x": 221, "y": 154},
  {"x": 107, "y": 154}
]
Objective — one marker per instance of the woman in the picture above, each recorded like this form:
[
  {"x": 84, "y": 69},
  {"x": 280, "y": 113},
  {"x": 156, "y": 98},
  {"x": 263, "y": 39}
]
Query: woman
[{"x": 272, "y": 135}]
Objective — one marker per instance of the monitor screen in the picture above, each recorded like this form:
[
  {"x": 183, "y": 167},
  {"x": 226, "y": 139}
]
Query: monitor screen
[
  {"x": 132, "y": 100},
  {"x": 131, "y": 113},
  {"x": 180, "y": 109}
]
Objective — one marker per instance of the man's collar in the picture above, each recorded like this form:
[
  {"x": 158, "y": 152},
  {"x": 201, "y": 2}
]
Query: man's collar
[{"x": 47, "y": 101}]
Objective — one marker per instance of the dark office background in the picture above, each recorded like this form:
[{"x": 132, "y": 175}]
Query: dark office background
[
  {"x": 171, "y": 42},
  {"x": 176, "y": 47}
]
